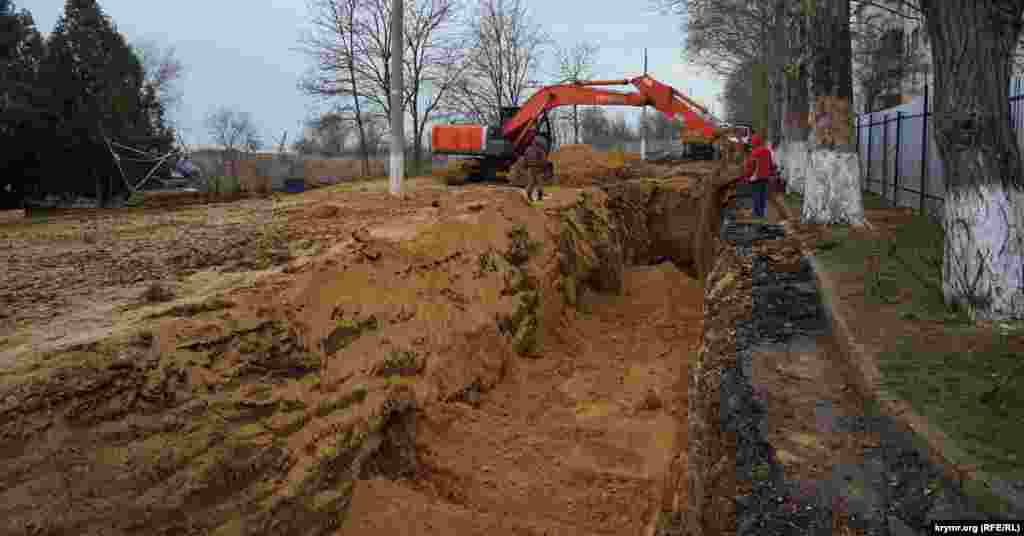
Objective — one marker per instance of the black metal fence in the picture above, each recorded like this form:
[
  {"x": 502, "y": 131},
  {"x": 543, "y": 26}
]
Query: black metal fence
[{"x": 898, "y": 155}]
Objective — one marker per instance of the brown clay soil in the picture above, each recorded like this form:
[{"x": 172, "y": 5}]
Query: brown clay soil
[
  {"x": 581, "y": 165},
  {"x": 573, "y": 442},
  {"x": 331, "y": 363}
]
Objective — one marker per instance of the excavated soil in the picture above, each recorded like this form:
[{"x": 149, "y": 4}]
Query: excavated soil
[
  {"x": 573, "y": 442},
  {"x": 582, "y": 165},
  {"x": 454, "y": 362}
]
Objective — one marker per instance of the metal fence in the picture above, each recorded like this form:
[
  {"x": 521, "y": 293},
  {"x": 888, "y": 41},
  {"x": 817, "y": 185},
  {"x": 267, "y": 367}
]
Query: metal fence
[{"x": 898, "y": 153}]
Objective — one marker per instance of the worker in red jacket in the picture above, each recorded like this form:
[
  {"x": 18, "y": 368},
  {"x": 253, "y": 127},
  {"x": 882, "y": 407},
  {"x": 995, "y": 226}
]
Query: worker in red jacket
[{"x": 758, "y": 170}]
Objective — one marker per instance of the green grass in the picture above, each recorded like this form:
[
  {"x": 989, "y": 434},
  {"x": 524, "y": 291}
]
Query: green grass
[
  {"x": 329, "y": 406},
  {"x": 976, "y": 397},
  {"x": 398, "y": 363},
  {"x": 909, "y": 260},
  {"x": 873, "y": 201}
]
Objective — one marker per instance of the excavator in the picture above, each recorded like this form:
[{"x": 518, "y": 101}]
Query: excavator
[{"x": 490, "y": 149}]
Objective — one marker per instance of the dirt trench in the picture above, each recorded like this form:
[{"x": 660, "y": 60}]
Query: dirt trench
[{"x": 468, "y": 364}]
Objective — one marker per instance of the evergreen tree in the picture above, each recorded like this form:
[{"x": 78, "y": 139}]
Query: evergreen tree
[
  {"x": 21, "y": 102},
  {"x": 98, "y": 90}
]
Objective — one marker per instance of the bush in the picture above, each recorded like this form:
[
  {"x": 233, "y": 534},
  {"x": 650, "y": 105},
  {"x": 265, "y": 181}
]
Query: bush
[
  {"x": 136, "y": 199},
  {"x": 222, "y": 185}
]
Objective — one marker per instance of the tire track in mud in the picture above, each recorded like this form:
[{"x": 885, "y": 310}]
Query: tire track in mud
[{"x": 574, "y": 441}]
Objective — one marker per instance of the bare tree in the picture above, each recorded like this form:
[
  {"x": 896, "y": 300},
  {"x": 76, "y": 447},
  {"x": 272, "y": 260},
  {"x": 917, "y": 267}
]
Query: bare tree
[
  {"x": 434, "y": 62},
  {"x": 334, "y": 44},
  {"x": 163, "y": 71},
  {"x": 729, "y": 36},
  {"x": 660, "y": 127},
  {"x": 973, "y": 44},
  {"x": 724, "y": 34},
  {"x": 351, "y": 46},
  {"x": 505, "y": 52},
  {"x": 576, "y": 64},
  {"x": 326, "y": 135},
  {"x": 595, "y": 125},
  {"x": 234, "y": 130},
  {"x": 376, "y": 135}
]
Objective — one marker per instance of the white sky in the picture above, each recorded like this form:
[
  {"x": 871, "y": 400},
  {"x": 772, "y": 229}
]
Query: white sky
[{"x": 241, "y": 53}]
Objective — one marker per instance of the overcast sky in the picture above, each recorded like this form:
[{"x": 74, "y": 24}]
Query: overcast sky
[{"x": 240, "y": 52}]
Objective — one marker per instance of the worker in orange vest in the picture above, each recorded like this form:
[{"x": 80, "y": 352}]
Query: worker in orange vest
[{"x": 758, "y": 170}]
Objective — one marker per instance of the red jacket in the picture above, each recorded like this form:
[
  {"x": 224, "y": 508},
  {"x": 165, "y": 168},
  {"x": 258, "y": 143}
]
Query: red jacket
[{"x": 759, "y": 164}]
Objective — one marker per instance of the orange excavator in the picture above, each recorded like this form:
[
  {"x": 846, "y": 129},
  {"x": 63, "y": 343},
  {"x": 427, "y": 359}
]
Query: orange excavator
[{"x": 496, "y": 148}]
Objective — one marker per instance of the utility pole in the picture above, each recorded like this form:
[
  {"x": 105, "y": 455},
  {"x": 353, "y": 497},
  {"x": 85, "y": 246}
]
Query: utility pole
[
  {"x": 397, "y": 170},
  {"x": 643, "y": 120}
]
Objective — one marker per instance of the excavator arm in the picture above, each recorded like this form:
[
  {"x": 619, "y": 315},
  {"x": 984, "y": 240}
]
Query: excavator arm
[
  {"x": 520, "y": 129},
  {"x": 496, "y": 148}
]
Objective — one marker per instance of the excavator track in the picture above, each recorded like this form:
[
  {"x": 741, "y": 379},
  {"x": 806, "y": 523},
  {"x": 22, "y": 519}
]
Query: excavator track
[
  {"x": 462, "y": 171},
  {"x": 474, "y": 170}
]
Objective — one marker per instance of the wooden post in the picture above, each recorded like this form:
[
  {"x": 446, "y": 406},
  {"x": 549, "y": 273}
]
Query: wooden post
[{"x": 397, "y": 171}]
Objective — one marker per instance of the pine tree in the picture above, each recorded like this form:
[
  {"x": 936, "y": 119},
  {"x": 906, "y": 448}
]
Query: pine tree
[
  {"x": 21, "y": 102},
  {"x": 98, "y": 92}
]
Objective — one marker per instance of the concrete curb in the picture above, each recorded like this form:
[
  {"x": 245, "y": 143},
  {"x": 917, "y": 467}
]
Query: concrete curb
[{"x": 940, "y": 448}]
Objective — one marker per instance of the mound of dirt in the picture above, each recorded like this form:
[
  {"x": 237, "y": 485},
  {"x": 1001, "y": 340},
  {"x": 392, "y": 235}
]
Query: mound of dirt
[
  {"x": 273, "y": 408},
  {"x": 688, "y": 169},
  {"x": 325, "y": 211},
  {"x": 261, "y": 414},
  {"x": 581, "y": 165}
]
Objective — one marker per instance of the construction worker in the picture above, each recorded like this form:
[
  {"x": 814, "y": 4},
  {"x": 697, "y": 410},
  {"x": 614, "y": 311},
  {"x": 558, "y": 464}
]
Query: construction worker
[
  {"x": 758, "y": 170},
  {"x": 537, "y": 167}
]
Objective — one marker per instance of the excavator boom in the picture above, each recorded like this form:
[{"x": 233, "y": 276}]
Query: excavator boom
[
  {"x": 661, "y": 97},
  {"x": 498, "y": 147}
]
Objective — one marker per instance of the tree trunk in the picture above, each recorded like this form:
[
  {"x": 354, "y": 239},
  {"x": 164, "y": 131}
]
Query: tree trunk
[
  {"x": 983, "y": 213},
  {"x": 417, "y": 141},
  {"x": 795, "y": 157},
  {"x": 780, "y": 55},
  {"x": 363, "y": 149},
  {"x": 832, "y": 193},
  {"x": 769, "y": 62}
]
